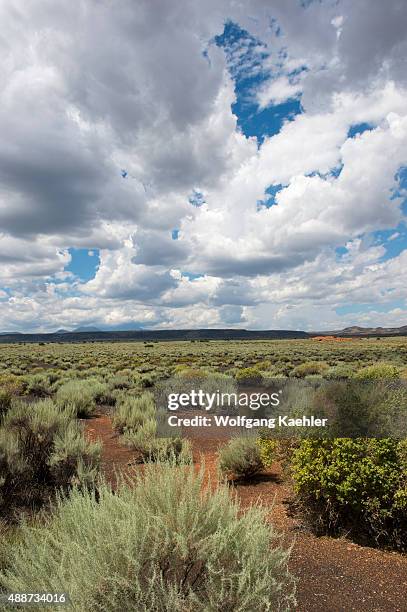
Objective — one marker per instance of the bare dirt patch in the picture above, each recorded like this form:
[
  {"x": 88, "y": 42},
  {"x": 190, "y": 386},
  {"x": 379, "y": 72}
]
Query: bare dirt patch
[
  {"x": 332, "y": 339},
  {"x": 116, "y": 458}
]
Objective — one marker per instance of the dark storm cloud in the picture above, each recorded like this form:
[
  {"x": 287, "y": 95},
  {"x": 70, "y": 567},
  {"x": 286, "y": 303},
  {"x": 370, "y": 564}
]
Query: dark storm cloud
[
  {"x": 374, "y": 37},
  {"x": 156, "y": 248},
  {"x": 80, "y": 88}
]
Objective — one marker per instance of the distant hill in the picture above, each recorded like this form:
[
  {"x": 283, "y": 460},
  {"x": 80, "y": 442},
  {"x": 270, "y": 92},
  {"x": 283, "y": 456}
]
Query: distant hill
[
  {"x": 91, "y": 335},
  {"x": 8, "y": 333},
  {"x": 357, "y": 331}
]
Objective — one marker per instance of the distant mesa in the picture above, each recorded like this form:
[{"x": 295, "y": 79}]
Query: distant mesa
[{"x": 88, "y": 333}]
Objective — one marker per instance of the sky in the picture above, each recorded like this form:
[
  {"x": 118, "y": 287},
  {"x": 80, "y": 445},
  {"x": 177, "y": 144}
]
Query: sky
[{"x": 203, "y": 164}]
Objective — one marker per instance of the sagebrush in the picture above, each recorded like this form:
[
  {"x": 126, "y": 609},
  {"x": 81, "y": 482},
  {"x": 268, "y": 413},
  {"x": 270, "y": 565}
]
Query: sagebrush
[
  {"x": 164, "y": 543},
  {"x": 42, "y": 450}
]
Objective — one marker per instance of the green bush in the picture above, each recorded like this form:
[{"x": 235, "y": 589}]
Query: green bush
[
  {"x": 285, "y": 450},
  {"x": 139, "y": 438},
  {"x": 151, "y": 448},
  {"x": 165, "y": 543},
  {"x": 378, "y": 371},
  {"x": 42, "y": 449},
  {"x": 357, "y": 485},
  {"x": 315, "y": 379},
  {"x": 268, "y": 449},
  {"x": 147, "y": 380},
  {"x": 269, "y": 378},
  {"x": 249, "y": 376},
  {"x": 182, "y": 370},
  {"x": 339, "y": 372},
  {"x": 308, "y": 368},
  {"x": 177, "y": 450},
  {"x": 263, "y": 365},
  {"x": 240, "y": 458},
  {"x": 77, "y": 396}
]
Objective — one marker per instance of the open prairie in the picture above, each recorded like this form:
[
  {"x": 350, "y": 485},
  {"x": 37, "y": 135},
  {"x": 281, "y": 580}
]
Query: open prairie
[
  {"x": 159, "y": 358},
  {"x": 93, "y": 405}
]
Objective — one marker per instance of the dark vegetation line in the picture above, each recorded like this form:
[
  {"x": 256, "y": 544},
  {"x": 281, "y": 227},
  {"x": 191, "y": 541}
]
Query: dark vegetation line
[
  {"x": 161, "y": 334},
  {"x": 199, "y": 335}
]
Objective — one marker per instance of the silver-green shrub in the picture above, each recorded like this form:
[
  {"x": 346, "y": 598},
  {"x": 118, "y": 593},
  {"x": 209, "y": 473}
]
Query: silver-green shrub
[
  {"x": 101, "y": 392},
  {"x": 132, "y": 412},
  {"x": 136, "y": 420},
  {"x": 144, "y": 441},
  {"x": 38, "y": 385},
  {"x": 77, "y": 396},
  {"x": 42, "y": 449},
  {"x": 240, "y": 458},
  {"x": 165, "y": 543}
]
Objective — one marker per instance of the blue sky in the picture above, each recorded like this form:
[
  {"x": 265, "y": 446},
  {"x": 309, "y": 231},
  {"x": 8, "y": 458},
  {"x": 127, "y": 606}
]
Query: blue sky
[
  {"x": 246, "y": 57},
  {"x": 227, "y": 168},
  {"x": 84, "y": 263}
]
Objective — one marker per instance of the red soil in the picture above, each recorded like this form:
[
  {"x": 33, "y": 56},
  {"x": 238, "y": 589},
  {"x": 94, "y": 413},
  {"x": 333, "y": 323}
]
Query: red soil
[
  {"x": 332, "y": 339},
  {"x": 115, "y": 457},
  {"x": 334, "y": 575}
]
